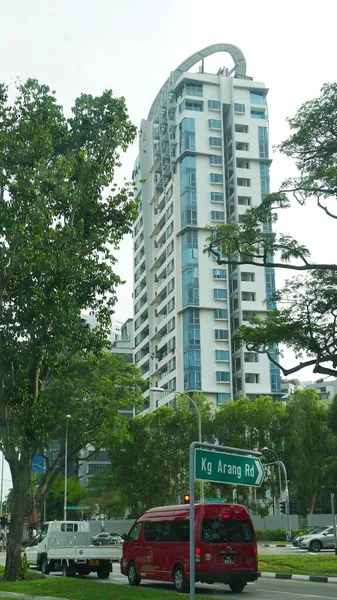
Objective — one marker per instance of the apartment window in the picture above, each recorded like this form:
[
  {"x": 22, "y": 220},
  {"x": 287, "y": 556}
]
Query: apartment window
[
  {"x": 246, "y": 276},
  {"x": 170, "y": 286},
  {"x": 241, "y": 128},
  {"x": 219, "y": 274},
  {"x": 243, "y": 182},
  {"x": 242, "y": 146},
  {"x": 169, "y": 230},
  {"x": 263, "y": 142},
  {"x": 252, "y": 378},
  {"x": 248, "y": 296},
  {"x": 222, "y": 355},
  {"x": 193, "y": 89},
  {"x": 257, "y": 97},
  {"x": 244, "y": 200},
  {"x": 239, "y": 108},
  {"x": 215, "y": 159},
  {"x": 187, "y": 105},
  {"x": 171, "y": 344},
  {"x": 251, "y": 357},
  {"x": 242, "y": 164},
  {"x": 220, "y": 314},
  {"x": 214, "y": 105},
  {"x": 217, "y": 215},
  {"x": 247, "y": 315},
  {"x": 186, "y": 135},
  {"x": 257, "y": 114},
  {"x": 216, "y": 178},
  {"x": 222, "y": 376},
  {"x": 214, "y": 123},
  {"x": 215, "y": 141},
  {"x": 217, "y": 197},
  {"x": 171, "y": 325},
  {"x": 170, "y": 267},
  {"x": 219, "y": 294},
  {"x": 221, "y": 398},
  {"x": 170, "y": 305},
  {"x": 221, "y": 334},
  {"x": 264, "y": 179}
]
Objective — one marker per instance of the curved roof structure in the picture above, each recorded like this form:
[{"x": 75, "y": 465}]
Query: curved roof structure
[{"x": 234, "y": 51}]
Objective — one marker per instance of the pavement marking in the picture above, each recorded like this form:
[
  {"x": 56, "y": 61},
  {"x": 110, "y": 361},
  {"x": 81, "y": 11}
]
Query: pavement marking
[{"x": 297, "y": 594}]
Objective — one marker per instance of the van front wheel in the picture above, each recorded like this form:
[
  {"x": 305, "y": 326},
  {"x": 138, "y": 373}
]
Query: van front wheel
[
  {"x": 132, "y": 574},
  {"x": 237, "y": 587},
  {"x": 179, "y": 579}
]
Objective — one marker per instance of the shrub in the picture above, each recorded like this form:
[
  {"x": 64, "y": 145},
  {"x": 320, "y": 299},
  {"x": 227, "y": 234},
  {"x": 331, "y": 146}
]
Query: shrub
[
  {"x": 274, "y": 535},
  {"x": 24, "y": 568}
]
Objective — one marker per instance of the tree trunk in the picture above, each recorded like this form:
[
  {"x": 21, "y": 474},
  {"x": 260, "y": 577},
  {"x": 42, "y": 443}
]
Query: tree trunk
[{"x": 21, "y": 473}]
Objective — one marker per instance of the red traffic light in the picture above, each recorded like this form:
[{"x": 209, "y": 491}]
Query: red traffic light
[
  {"x": 187, "y": 498},
  {"x": 4, "y": 520}
]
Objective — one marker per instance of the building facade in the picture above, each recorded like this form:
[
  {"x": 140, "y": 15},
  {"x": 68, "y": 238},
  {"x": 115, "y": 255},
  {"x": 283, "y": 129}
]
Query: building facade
[{"x": 203, "y": 160}]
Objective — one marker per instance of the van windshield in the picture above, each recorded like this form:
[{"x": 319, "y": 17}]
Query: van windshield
[{"x": 226, "y": 530}]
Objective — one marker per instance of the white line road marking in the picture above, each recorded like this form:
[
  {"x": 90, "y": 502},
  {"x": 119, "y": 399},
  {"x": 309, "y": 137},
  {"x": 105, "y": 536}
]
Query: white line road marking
[{"x": 296, "y": 593}]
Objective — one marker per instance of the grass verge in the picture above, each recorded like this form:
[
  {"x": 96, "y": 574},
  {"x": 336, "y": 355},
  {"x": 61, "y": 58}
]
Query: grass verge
[{"x": 304, "y": 564}]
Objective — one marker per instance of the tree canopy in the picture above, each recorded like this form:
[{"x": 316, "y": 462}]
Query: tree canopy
[
  {"x": 61, "y": 220},
  {"x": 305, "y": 317}
]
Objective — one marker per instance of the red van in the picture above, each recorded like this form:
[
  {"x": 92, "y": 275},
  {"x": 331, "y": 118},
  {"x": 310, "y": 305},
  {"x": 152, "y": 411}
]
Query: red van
[{"x": 157, "y": 546}]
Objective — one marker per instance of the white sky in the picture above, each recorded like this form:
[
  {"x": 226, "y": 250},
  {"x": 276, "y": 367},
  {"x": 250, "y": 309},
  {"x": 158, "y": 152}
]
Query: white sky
[{"x": 131, "y": 46}]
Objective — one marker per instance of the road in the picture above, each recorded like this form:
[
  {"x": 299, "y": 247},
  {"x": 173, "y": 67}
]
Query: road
[{"x": 263, "y": 589}]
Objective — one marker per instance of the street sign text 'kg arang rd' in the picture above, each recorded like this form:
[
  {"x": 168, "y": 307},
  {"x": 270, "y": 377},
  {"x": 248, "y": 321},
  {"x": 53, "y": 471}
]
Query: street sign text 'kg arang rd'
[{"x": 221, "y": 467}]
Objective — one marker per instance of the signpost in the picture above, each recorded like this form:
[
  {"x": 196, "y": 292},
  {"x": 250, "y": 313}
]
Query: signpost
[
  {"x": 78, "y": 507},
  {"x": 231, "y": 465},
  {"x": 222, "y": 467}
]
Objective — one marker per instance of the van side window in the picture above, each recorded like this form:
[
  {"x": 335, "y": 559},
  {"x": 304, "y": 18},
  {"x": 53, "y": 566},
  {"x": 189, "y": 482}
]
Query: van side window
[
  {"x": 152, "y": 531},
  {"x": 175, "y": 531},
  {"x": 226, "y": 530},
  {"x": 134, "y": 532},
  {"x": 69, "y": 527}
]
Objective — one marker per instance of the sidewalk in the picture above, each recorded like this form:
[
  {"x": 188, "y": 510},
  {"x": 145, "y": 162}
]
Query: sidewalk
[{"x": 21, "y": 596}]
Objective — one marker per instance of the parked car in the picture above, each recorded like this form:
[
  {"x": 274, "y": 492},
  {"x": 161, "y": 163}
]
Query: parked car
[
  {"x": 298, "y": 538},
  {"x": 30, "y": 552},
  {"x": 106, "y": 539},
  {"x": 316, "y": 541}
]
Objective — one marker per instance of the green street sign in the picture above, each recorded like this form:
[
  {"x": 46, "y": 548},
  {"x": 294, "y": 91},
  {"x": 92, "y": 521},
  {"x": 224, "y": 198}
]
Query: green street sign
[
  {"x": 215, "y": 500},
  {"x": 78, "y": 507},
  {"x": 222, "y": 467}
]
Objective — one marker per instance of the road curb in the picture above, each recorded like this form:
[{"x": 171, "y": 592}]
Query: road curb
[
  {"x": 314, "y": 578},
  {"x": 276, "y": 546}
]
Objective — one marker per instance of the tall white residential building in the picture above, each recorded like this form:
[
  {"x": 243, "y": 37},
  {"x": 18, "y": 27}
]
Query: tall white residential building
[{"x": 203, "y": 159}]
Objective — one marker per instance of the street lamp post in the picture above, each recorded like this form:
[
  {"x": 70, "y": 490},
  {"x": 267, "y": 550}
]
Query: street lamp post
[
  {"x": 265, "y": 449},
  {"x": 160, "y": 389},
  {"x": 286, "y": 490},
  {"x": 66, "y": 471}
]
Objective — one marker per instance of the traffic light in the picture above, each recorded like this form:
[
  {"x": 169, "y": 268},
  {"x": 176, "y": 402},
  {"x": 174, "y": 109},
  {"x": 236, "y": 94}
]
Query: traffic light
[
  {"x": 283, "y": 507},
  {"x": 4, "y": 520},
  {"x": 186, "y": 498}
]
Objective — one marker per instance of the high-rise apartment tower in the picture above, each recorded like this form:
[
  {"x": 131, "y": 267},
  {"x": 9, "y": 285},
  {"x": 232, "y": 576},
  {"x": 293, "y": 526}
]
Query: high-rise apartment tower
[{"x": 203, "y": 159}]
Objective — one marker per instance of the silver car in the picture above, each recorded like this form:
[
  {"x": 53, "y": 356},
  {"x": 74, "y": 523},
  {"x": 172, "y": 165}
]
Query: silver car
[{"x": 316, "y": 541}]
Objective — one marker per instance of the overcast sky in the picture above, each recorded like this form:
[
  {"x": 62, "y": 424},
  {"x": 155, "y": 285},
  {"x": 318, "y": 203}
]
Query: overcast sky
[{"x": 131, "y": 46}]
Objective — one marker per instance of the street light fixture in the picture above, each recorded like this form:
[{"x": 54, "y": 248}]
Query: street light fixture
[
  {"x": 66, "y": 471},
  {"x": 160, "y": 389}
]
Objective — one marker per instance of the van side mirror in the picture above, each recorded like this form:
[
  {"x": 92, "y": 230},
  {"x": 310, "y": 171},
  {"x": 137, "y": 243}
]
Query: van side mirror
[{"x": 124, "y": 536}]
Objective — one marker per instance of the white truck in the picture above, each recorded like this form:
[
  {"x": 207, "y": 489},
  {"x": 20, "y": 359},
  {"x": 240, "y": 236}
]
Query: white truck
[{"x": 65, "y": 546}]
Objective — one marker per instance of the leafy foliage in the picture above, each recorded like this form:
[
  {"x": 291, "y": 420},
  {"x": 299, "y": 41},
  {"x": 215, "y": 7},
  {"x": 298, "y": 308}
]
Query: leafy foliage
[{"x": 61, "y": 219}]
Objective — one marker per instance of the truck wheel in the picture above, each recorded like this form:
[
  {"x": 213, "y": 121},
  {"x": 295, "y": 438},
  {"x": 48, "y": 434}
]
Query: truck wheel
[
  {"x": 103, "y": 572},
  {"x": 237, "y": 587},
  {"x": 68, "y": 570},
  {"x": 132, "y": 574},
  {"x": 179, "y": 579},
  {"x": 44, "y": 566}
]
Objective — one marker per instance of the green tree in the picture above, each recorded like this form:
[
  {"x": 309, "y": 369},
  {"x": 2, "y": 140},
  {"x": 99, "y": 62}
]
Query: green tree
[
  {"x": 307, "y": 447},
  {"x": 152, "y": 466},
  {"x": 92, "y": 389},
  {"x": 61, "y": 219},
  {"x": 104, "y": 496},
  {"x": 305, "y": 319},
  {"x": 76, "y": 495}
]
